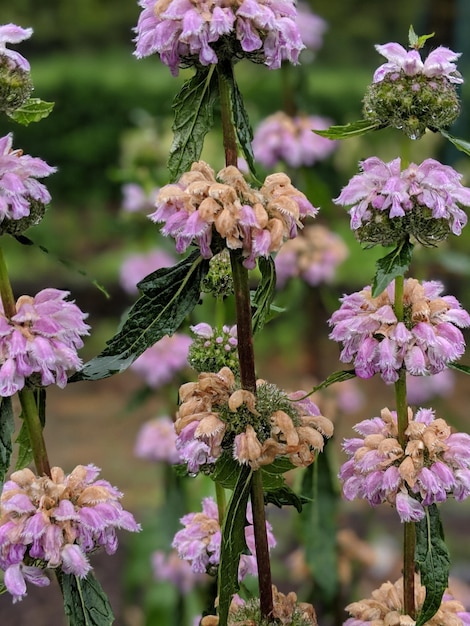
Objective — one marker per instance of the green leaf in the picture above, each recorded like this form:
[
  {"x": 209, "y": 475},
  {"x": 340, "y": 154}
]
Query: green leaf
[
  {"x": 433, "y": 560},
  {"x": 168, "y": 296},
  {"x": 25, "y": 452},
  {"x": 396, "y": 263},
  {"x": 264, "y": 294},
  {"x": 415, "y": 41},
  {"x": 33, "y": 110},
  {"x": 460, "y": 144},
  {"x": 241, "y": 122},
  {"x": 354, "y": 129},
  {"x": 233, "y": 543},
  {"x": 465, "y": 369},
  {"x": 194, "y": 108},
  {"x": 85, "y": 602},
  {"x": 319, "y": 489},
  {"x": 336, "y": 377},
  {"x": 6, "y": 431}
]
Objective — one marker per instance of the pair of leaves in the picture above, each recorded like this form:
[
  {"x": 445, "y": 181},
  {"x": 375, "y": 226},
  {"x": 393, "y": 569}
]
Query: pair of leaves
[
  {"x": 168, "y": 296},
  {"x": 33, "y": 110},
  {"x": 193, "y": 110},
  {"x": 432, "y": 558},
  {"x": 85, "y": 602}
]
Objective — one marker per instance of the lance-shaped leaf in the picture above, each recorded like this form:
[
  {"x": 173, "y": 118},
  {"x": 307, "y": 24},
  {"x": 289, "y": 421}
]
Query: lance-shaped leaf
[
  {"x": 460, "y": 144},
  {"x": 33, "y": 110},
  {"x": 194, "y": 108},
  {"x": 432, "y": 558},
  {"x": 465, "y": 369},
  {"x": 354, "y": 129},
  {"x": 396, "y": 263},
  {"x": 336, "y": 377},
  {"x": 6, "y": 431},
  {"x": 233, "y": 543},
  {"x": 319, "y": 488},
  {"x": 25, "y": 451},
  {"x": 241, "y": 121},
  {"x": 85, "y": 602},
  {"x": 168, "y": 296},
  {"x": 264, "y": 294}
]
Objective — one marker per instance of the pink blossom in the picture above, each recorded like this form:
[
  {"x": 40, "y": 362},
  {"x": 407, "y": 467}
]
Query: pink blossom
[
  {"x": 159, "y": 364},
  {"x": 136, "y": 199},
  {"x": 199, "y": 541},
  {"x": 434, "y": 464},
  {"x": 54, "y": 522},
  {"x": 440, "y": 62},
  {"x": 184, "y": 32},
  {"x": 291, "y": 139},
  {"x": 385, "y": 189},
  {"x": 421, "y": 388},
  {"x": 178, "y": 572},
  {"x": 18, "y": 184},
  {"x": 10, "y": 33},
  {"x": 311, "y": 26},
  {"x": 40, "y": 341},
  {"x": 377, "y": 342},
  {"x": 156, "y": 441},
  {"x": 137, "y": 266}
]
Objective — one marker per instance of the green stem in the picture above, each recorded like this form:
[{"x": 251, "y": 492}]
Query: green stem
[
  {"x": 33, "y": 424},
  {"x": 6, "y": 292},
  {"x": 409, "y": 531},
  {"x": 246, "y": 355}
]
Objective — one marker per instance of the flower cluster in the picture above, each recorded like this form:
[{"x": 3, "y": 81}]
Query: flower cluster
[
  {"x": 156, "y": 441},
  {"x": 386, "y": 608},
  {"x": 281, "y": 137},
  {"x": 287, "y": 611},
  {"x": 15, "y": 80},
  {"x": 199, "y": 541},
  {"x": 312, "y": 256},
  {"x": 216, "y": 415},
  {"x": 159, "y": 363},
  {"x": 435, "y": 463},
  {"x": 38, "y": 345},
  {"x": 413, "y": 95},
  {"x": 177, "y": 571},
  {"x": 137, "y": 266},
  {"x": 136, "y": 199},
  {"x": 54, "y": 522},
  {"x": 389, "y": 203},
  {"x": 427, "y": 339},
  {"x": 190, "y": 32},
  {"x": 213, "y": 348},
  {"x": 22, "y": 197},
  {"x": 255, "y": 221}
]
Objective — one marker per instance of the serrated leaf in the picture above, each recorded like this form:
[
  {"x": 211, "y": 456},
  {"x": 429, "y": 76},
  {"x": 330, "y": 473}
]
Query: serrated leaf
[
  {"x": 264, "y": 294},
  {"x": 233, "y": 543},
  {"x": 241, "y": 122},
  {"x": 460, "y": 144},
  {"x": 396, "y": 263},
  {"x": 85, "y": 602},
  {"x": 465, "y": 369},
  {"x": 319, "y": 489},
  {"x": 7, "y": 428},
  {"x": 353, "y": 129},
  {"x": 193, "y": 107},
  {"x": 415, "y": 41},
  {"x": 33, "y": 110},
  {"x": 433, "y": 560},
  {"x": 168, "y": 296}
]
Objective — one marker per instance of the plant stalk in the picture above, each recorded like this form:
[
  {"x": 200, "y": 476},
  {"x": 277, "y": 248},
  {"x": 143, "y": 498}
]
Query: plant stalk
[
  {"x": 409, "y": 530},
  {"x": 245, "y": 348}
]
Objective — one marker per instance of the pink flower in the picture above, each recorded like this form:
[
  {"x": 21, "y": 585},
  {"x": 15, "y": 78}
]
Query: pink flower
[
  {"x": 156, "y": 441},
  {"x": 18, "y": 185},
  {"x": 54, "y": 522},
  {"x": 421, "y": 388},
  {"x": 137, "y": 266},
  {"x": 159, "y": 364},
  {"x": 184, "y": 32},
  {"x": 438, "y": 63},
  {"x": 311, "y": 26},
  {"x": 136, "y": 199},
  {"x": 384, "y": 190},
  {"x": 424, "y": 343},
  {"x": 434, "y": 464},
  {"x": 291, "y": 139},
  {"x": 177, "y": 571},
  {"x": 10, "y": 33},
  {"x": 199, "y": 541},
  {"x": 40, "y": 341}
]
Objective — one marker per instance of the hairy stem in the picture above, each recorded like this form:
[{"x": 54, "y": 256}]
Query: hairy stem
[
  {"x": 245, "y": 348},
  {"x": 409, "y": 531}
]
